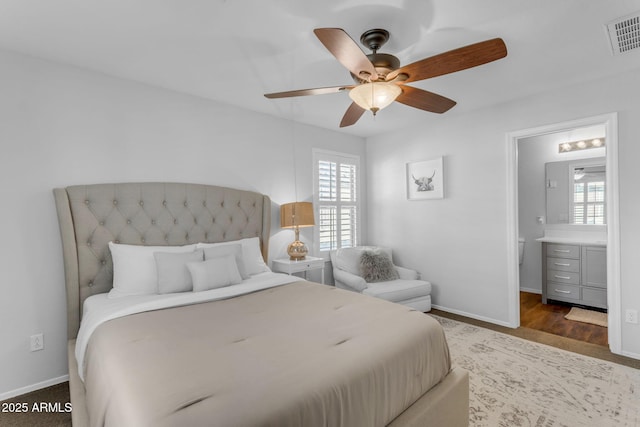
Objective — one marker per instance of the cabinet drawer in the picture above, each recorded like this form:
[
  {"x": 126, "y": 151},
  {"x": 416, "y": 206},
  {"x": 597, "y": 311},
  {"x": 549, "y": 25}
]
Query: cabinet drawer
[
  {"x": 301, "y": 266},
  {"x": 594, "y": 296},
  {"x": 557, "y": 290},
  {"x": 289, "y": 266},
  {"x": 567, "y": 277},
  {"x": 563, "y": 264},
  {"x": 563, "y": 251}
]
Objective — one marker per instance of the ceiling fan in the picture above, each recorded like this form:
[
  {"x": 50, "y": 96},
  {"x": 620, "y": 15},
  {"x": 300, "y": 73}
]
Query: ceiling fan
[{"x": 379, "y": 79}]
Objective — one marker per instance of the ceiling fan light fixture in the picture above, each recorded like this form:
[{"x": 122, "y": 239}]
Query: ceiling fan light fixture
[
  {"x": 379, "y": 78},
  {"x": 375, "y": 96}
]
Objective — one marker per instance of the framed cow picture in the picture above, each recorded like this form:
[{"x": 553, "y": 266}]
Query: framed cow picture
[{"x": 425, "y": 179}]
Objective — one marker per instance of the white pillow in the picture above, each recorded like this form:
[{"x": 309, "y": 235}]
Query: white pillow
[
  {"x": 173, "y": 274},
  {"x": 134, "y": 268},
  {"x": 214, "y": 273},
  {"x": 251, "y": 253},
  {"x": 235, "y": 250}
]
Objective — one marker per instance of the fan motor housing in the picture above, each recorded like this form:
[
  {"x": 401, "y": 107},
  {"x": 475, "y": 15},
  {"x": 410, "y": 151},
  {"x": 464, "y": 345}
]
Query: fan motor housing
[{"x": 383, "y": 63}]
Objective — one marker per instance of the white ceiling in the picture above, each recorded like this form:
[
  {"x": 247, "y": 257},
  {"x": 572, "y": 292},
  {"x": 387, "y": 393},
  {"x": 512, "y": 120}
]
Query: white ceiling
[{"x": 234, "y": 51}]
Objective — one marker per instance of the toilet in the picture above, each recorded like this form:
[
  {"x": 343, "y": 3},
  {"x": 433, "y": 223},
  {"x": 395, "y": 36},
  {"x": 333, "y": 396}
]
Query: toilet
[{"x": 521, "y": 249}]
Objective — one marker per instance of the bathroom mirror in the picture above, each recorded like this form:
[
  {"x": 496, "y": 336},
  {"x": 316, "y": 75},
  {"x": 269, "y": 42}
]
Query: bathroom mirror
[{"x": 576, "y": 192}]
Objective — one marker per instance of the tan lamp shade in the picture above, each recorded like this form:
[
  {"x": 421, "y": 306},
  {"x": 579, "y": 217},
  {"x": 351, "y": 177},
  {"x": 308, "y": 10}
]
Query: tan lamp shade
[{"x": 296, "y": 215}]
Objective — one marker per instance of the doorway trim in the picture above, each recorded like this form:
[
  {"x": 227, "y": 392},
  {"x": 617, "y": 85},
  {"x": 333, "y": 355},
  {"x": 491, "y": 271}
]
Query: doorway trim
[{"x": 610, "y": 121}]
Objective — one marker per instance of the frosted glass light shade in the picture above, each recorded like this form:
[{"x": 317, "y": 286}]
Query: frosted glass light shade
[{"x": 375, "y": 96}]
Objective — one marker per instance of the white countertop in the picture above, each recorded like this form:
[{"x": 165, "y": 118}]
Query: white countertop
[{"x": 577, "y": 240}]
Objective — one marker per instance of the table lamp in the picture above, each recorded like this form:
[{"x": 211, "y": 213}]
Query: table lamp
[{"x": 296, "y": 215}]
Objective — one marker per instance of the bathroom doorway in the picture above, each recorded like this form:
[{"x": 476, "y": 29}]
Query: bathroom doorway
[
  {"x": 544, "y": 176},
  {"x": 530, "y": 151}
]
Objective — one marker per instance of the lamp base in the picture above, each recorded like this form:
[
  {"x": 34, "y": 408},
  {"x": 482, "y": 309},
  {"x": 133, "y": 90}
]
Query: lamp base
[{"x": 297, "y": 251}]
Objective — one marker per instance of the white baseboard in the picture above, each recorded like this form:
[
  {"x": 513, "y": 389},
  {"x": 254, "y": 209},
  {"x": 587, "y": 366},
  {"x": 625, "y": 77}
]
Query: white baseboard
[
  {"x": 33, "y": 387},
  {"x": 531, "y": 290},
  {"x": 473, "y": 316},
  {"x": 631, "y": 355}
]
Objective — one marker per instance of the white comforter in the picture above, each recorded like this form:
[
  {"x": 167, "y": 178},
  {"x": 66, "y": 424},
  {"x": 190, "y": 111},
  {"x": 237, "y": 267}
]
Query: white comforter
[{"x": 99, "y": 308}]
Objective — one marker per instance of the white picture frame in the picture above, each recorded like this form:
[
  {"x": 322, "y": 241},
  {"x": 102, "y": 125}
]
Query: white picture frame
[{"x": 425, "y": 179}]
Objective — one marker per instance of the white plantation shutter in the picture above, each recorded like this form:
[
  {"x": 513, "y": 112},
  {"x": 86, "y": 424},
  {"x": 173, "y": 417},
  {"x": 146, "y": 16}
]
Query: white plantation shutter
[
  {"x": 589, "y": 199},
  {"x": 336, "y": 200}
]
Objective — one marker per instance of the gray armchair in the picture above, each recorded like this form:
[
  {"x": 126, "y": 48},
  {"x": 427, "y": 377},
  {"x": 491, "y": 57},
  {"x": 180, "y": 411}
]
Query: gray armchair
[{"x": 406, "y": 288}]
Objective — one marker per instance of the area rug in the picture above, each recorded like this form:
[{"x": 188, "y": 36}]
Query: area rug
[
  {"x": 514, "y": 382},
  {"x": 587, "y": 316}
]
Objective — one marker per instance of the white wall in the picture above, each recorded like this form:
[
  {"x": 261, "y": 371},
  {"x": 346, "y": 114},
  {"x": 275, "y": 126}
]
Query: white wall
[
  {"x": 62, "y": 126},
  {"x": 533, "y": 153},
  {"x": 460, "y": 243}
]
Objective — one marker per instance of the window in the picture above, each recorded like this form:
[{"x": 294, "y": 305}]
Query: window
[
  {"x": 589, "y": 196},
  {"x": 337, "y": 201}
]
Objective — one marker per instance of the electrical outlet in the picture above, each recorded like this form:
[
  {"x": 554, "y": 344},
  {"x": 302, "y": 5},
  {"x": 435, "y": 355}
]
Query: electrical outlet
[
  {"x": 631, "y": 316},
  {"x": 37, "y": 342}
]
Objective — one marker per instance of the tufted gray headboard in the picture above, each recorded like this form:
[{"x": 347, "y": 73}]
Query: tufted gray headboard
[{"x": 146, "y": 214}]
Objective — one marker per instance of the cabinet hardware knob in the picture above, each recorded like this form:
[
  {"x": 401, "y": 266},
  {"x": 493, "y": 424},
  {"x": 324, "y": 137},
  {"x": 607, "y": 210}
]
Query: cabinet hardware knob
[
  {"x": 562, "y": 264},
  {"x": 562, "y": 250},
  {"x": 562, "y": 292},
  {"x": 562, "y": 277}
]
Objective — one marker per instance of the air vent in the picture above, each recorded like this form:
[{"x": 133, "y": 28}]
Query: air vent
[{"x": 624, "y": 33}]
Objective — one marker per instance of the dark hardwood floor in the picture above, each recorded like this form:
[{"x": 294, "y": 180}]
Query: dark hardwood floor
[{"x": 550, "y": 318}]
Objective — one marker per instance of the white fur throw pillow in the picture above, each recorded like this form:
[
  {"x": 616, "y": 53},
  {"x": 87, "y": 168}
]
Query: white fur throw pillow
[{"x": 377, "y": 267}]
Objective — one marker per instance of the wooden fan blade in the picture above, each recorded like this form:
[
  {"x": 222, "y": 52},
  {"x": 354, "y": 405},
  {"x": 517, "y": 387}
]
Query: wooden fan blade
[
  {"x": 347, "y": 51},
  {"x": 353, "y": 114},
  {"x": 428, "y": 101},
  {"x": 305, "y": 92},
  {"x": 453, "y": 60}
]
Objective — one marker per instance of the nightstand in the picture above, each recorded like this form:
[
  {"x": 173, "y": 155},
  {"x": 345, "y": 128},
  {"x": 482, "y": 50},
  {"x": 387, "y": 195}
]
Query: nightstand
[{"x": 285, "y": 265}]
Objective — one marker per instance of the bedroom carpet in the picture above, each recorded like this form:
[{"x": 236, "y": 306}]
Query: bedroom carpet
[{"x": 515, "y": 382}]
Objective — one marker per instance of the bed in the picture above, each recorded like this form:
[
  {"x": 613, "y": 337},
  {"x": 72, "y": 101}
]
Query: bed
[{"x": 270, "y": 350}]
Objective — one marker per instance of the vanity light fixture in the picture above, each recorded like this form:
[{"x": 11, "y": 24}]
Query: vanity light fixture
[{"x": 583, "y": 144}]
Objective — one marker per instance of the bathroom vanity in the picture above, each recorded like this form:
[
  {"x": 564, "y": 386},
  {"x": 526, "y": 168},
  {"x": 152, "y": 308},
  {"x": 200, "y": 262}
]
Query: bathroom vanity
[
  {"x": 574, "y": 252},
  {"x": 574, "y": 272}
]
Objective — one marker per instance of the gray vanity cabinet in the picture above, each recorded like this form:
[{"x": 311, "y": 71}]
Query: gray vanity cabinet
[
  {"x": 594, "y": 276},
  {"x": 575, "y": 274}
]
